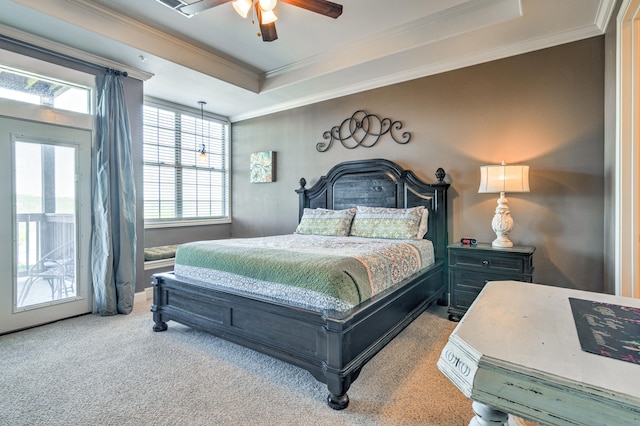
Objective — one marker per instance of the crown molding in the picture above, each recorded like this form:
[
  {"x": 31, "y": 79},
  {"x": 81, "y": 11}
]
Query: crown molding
[
  {"x": 447, "y": 23},
  {"x": 71, "y": 52},
  {"x": 463, "y": 61},
  {"x": 605, "y": 11},
  {"x": 110, "y": 24}
]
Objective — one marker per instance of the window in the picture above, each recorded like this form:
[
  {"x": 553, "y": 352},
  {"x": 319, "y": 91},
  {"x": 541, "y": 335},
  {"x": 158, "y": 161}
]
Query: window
[
  {"x": 186, "y": 176},
  {"x": 31, "y": 88}
]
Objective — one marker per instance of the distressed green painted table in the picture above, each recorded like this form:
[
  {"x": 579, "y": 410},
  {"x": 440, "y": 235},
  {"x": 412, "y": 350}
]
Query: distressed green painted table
[{"x": 517, "y": 351}]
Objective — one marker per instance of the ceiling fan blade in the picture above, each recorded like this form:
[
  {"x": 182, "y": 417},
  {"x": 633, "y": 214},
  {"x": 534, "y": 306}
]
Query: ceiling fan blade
[
  {"x": 201, "y": 6},
  {"x": 267, "y": 31},
  {"x": 323, "y": 7}
]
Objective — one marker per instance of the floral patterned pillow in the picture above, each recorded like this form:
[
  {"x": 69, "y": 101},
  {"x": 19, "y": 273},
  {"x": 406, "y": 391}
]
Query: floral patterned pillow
[
  {"x": 326, "y": 222},
  {"x": 383, "y": 222}
]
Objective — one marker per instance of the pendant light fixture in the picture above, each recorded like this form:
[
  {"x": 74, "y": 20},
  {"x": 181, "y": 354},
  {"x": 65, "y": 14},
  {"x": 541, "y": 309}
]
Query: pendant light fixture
[{"x": 202, "y": 150}]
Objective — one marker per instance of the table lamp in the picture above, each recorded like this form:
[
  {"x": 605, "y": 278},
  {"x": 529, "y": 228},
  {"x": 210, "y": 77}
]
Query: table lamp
[{"x": 502, "y": 178}]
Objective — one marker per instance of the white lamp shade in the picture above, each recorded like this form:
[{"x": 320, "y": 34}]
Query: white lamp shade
[
  {"x": 242, "y": 7},
  {"x": 504, "y": 178},
  {"x": 268, "y": 4},
  {"x": 267, "y": 17}
]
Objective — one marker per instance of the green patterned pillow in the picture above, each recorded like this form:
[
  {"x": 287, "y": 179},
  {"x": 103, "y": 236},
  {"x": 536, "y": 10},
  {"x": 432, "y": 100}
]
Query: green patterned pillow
[
  {"x": 383, "y": 222},
  {"x": 326, "y": 222}
]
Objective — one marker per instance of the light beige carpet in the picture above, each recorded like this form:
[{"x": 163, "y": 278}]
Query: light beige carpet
[{"x": 116, "y": 371}]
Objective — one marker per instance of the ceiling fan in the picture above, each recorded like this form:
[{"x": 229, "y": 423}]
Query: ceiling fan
[{"x": 263, "y": 10}]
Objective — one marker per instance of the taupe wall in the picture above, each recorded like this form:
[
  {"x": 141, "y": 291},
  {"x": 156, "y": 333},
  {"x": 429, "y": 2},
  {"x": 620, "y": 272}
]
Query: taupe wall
[{"x": 544, "y": 109}]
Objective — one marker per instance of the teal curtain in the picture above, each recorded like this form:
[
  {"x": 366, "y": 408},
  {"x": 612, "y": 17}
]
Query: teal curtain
[{"x": 113, "y": 243}]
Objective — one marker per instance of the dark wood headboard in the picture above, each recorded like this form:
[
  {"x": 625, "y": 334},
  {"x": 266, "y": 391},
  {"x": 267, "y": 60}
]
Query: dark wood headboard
[{"x": 381, "y": 183}]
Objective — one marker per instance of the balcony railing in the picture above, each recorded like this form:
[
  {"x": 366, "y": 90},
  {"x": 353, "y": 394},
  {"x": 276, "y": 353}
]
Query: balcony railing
[{"x": 46, "y": 255}]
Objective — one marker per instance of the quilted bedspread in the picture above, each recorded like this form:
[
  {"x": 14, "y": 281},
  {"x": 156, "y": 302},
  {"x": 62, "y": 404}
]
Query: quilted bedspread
[{"x": 347, "y": 268}]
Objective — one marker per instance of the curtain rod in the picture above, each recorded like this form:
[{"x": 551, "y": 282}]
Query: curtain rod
[
  {"x": 116, "y": 72},
  {"x": 49, "y": 52},
  {"x": 36, "y": 48}
]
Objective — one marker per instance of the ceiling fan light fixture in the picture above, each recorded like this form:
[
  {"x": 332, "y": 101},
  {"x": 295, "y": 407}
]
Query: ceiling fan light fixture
[
  {"x": 268, "y": 17},
  {"x": 267, "y": 5},
  {"x": 242, "y": 7}
]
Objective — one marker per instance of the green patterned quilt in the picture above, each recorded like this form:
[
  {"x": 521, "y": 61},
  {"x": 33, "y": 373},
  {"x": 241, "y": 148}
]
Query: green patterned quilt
[{"x": 347, "y": 268}]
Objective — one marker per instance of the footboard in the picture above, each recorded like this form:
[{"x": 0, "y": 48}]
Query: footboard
[
  {"x": 332, "y": 349},
  {"x": 293, "y": 335}
]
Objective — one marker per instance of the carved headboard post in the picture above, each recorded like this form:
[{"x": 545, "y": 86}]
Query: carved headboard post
[
  {"x": 440, "y": 237},
  {"x": 303, "y": 200}
]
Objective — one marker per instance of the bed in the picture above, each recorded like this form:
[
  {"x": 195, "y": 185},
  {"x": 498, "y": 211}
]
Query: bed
[{"x": 332, "y": 344}]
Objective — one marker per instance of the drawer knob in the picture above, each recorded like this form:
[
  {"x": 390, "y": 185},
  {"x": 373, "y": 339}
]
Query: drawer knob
[{"x": 485, "y": 262}]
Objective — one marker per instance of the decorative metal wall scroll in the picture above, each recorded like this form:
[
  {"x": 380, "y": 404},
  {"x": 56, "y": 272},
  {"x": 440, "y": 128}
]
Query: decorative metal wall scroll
[{"x": 365, "y": 130}]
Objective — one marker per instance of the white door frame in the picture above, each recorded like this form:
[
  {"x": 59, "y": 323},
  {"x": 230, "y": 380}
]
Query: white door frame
[
  {"x": 627, "y": 167},
  {"x": 14, "y": 317}
]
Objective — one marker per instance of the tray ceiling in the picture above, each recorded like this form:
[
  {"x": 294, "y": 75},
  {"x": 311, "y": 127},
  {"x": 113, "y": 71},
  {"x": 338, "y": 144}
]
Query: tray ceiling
[{"x": 216, "y": 56}]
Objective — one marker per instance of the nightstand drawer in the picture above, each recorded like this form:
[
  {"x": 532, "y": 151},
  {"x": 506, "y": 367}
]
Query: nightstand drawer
[
  {"x": 488, "y": 260},
  {"x": 470, "y": 280}
]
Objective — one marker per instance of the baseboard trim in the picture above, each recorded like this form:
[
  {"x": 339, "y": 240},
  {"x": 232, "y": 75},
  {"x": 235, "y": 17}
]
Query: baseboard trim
[{"x": 143, "y": 296}]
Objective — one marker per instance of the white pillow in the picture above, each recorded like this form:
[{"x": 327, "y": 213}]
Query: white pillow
[{"x": 424, "y": 224}]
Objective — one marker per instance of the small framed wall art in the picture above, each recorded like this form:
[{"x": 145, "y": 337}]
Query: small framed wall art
[{"x": 262, "y": 167}]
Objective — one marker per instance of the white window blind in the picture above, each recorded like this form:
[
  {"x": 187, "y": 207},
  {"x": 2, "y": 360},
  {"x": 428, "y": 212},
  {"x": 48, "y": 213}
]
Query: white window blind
[{"x": 181, "y": 185}]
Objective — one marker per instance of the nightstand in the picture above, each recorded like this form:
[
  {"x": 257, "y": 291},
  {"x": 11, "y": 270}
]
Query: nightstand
[{"x": 472, "y": 266}]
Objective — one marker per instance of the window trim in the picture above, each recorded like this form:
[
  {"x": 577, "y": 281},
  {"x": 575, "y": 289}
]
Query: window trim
[
  {"x": 158, "y": 224},
  {"x": 44, "y": 114},
  {"x": 185, "y": 223}
]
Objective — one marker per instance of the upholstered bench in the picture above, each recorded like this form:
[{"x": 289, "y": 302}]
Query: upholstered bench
[
  {"x": 160, "y": 253},
  {"x": 159, "y": 259}
]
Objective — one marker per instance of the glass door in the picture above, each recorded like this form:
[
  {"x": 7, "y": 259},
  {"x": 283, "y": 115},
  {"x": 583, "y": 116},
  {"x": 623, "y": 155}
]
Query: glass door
[
  {"x": 45, "y": 222},
  {"x": 49, "y": 185}
]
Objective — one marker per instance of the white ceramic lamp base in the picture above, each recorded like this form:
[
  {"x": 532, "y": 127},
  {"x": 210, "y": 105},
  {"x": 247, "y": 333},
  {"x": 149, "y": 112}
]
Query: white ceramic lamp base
[{"x": 502, "y": 223}]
